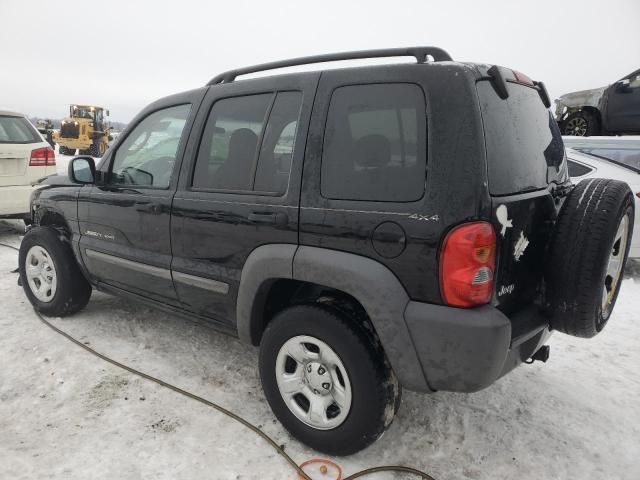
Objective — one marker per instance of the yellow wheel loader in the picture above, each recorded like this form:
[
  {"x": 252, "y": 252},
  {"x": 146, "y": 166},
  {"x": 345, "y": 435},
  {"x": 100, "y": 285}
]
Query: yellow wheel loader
[{"x": 85, "y": 130}]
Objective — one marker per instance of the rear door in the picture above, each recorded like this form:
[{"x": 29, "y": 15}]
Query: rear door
[
  {"x": 240, "y": 187},
  {"x": 124, "y": 222},
  {"x": 525, "y": 154}
]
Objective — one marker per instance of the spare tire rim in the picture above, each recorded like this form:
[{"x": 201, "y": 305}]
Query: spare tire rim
[
  {"x": 313, "y": 382},
  {"x": 615, "y": 264},
  {"x": 577, "y": 126},
  {"x": 41, "y": 274}
]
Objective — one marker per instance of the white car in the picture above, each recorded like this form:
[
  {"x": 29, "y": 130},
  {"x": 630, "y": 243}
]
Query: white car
[
  {"x": 24, "y": 158},
  {"x": 582, "y": 165}
]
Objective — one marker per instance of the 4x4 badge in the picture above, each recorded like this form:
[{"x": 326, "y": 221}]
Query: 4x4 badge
[{"x": 426, "y": 218}]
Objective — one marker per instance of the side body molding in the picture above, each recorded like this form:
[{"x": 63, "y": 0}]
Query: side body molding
[{"x": 380, "y": 293}]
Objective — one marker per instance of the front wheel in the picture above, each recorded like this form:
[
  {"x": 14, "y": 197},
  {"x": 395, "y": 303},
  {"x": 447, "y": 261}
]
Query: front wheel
[
  {"x": 326, "y": 379},
  {"x": 49, "y": 274},
  {"x": 98, "y": 149}
]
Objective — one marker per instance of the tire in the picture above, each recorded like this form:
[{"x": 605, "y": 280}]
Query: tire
[
  {"x": 588, "y": 250},
  {"x": 97, "y": 149},
  {"x": 72, "y": 290},
  {"x": 581, "y": 124},
  {"x": 375, "y": 392},
  {"x": 67, "y": 150}
]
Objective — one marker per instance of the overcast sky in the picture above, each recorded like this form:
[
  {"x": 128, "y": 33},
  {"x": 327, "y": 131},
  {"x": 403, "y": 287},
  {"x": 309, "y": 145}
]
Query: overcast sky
[{"x": 123, "y": 54}]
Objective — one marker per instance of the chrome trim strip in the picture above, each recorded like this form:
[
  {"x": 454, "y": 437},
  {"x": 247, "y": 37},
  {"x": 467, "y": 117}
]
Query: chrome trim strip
[
  {"x": 199, "y": 282},
  {"x": 131, "y": 265}
]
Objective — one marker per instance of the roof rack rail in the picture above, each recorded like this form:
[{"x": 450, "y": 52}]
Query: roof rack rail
[{"x": 420, "y": 54}]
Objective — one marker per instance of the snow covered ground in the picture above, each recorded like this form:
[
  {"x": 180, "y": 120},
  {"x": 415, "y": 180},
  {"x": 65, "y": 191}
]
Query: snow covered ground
[{"x": 65, "y": 414}]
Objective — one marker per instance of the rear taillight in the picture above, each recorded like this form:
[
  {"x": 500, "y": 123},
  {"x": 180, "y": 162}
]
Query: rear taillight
[
  {"x": 42, "y": 157},
  {"x": 467, "y": 265}
]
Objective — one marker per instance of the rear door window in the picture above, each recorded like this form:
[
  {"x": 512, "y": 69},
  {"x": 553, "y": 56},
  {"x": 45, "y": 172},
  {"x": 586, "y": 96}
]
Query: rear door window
[
  {"x": 247, "y": 144},
  {"x": 523, "y": 142},
  {"x": 375, "y": 144},
  {"x": 17, "y": 130}
]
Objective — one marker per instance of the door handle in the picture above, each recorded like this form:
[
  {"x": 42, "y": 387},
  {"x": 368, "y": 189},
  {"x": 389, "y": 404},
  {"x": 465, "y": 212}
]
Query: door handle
[
  {"x": 268, "y": 217},
  {"x": 153, "y": 208}
]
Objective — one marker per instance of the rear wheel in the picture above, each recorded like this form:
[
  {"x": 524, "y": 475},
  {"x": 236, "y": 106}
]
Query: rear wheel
[
  {"x": 581, "y": 124},
  {"x": 588, "y": 251},
  {"x": 326, "y": 380},
  {"x": 50, "y": 275}
]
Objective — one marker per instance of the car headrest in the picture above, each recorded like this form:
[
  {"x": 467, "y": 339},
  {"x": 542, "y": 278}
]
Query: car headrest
[{"x": 243, "y": 141}]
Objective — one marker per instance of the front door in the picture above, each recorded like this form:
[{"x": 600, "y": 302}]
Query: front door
[
  {"x": 124, "y": 221},
  {"x": 240, "y": 189},
  {"x": 623, "y": 105}
]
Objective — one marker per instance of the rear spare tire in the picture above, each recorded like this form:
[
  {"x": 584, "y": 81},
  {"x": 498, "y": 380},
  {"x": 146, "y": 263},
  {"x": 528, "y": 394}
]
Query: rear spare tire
[{"x": 588, "y": 251}]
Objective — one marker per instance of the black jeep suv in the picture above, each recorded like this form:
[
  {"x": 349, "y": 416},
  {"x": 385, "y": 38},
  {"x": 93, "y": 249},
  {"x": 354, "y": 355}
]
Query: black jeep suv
[{"x": 370, "y": 228}]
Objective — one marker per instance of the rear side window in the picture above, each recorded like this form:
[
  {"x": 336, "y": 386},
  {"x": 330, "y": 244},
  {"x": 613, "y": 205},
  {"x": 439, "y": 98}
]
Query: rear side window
[
  {"x": 237, "y": 153},
  {"x": 524, "y": 145},
  {"x": 17, "y": 130},
  {"x": 577, "y": 169},
  {"x": 375, "y": 144}
]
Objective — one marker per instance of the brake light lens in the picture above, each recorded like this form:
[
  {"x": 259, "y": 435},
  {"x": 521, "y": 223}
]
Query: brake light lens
[
  {"x": 467, "y": 265},
  {"x": 42, "y": 157},
  {"x": 522, "y": 78}
]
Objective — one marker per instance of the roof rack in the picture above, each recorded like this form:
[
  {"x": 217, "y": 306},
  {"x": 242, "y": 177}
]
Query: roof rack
[{"x": 420, "y": 54}]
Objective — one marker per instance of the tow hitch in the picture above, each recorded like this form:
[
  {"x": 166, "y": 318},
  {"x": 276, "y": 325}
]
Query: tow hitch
[{"x": 542, "y": 355}]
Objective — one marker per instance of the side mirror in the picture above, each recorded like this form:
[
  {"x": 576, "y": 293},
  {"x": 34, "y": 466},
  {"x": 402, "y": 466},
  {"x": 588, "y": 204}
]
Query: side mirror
[
  {"x": 623, "y": 85},
  {"x": 82, "y": 170}
]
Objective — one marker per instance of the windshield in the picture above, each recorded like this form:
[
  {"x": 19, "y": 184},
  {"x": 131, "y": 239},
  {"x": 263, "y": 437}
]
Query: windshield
[
  {"x": 523, "y": 142},
  {"x": 17, "y": 130},
  {"x": 82, "y": 112}
]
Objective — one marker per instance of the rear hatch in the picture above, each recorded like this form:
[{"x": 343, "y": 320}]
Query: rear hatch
[
  {"x": 17, "y": 140},
  {"x": 525, "y": 160}
]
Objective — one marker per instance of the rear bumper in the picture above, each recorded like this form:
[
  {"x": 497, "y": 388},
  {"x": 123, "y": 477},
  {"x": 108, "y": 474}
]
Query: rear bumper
[
  {"x": 14, "y": 200},
  {"x": 466, "y": 350}
]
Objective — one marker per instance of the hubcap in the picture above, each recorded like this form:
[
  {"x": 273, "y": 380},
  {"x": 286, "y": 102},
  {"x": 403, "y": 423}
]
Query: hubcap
[
  {"x": 615, "y": 265},
  {"x": 41, "y": 274},
  {"x": 577, "y": 127},
  {"x": 313, "y": 382}
]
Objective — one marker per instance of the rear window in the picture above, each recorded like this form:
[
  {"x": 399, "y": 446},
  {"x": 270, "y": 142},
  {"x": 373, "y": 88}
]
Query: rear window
[
  {"x": 375, "y": 144},
  {"x": 628, "y": 158},
  {"x": 17, "y": 130},
  {"x": 524, "y": 145}
]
